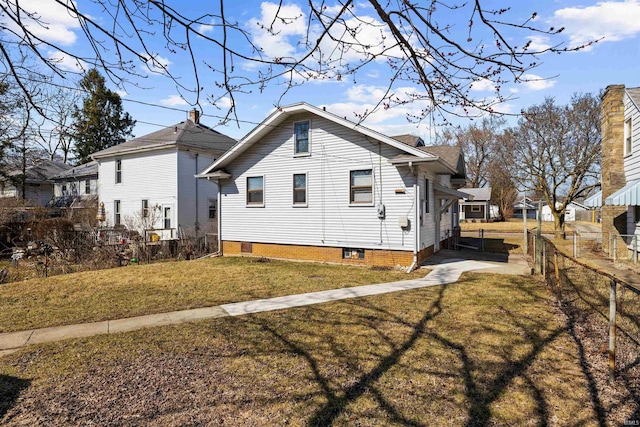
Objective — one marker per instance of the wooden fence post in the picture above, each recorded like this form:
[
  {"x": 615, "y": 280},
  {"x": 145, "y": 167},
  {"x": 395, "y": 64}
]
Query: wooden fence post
[{"x": 612, "y": 331}]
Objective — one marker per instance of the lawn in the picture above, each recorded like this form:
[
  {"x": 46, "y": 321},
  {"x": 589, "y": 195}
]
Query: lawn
[
  {"x": 144, "y": 289},
  {"x": 488, "y": 350},
  {"x": 510, "y": 226}
]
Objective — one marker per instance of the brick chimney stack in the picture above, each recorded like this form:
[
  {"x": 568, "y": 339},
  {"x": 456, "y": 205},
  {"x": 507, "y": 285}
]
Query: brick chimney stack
[
  {"x": 614, "y": 218},
  {"x": 194, "y": 116}
]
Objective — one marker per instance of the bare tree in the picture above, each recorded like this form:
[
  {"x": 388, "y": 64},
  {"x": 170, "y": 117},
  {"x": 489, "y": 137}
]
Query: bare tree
[
  {"x": 555, "y": 151},
  {"x": 420, "y": 42},
  {"x": 503, "y": 190},
  {"x": 53, "y": 131},
  {"x": 144, "y": 219},
  {"x": 478, "y": 141}
]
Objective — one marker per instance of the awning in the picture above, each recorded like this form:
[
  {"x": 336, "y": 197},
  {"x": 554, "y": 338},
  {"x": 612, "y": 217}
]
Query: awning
[
  {"x": 449, "y": 193},
  {"x": 629, "y": 195},
  {"x": 219, "y": 174},
  {"x": 594, "y": 201}
]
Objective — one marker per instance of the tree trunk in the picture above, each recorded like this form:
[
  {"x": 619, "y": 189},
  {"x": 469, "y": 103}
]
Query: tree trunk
[{"x": 558, "y": 219}]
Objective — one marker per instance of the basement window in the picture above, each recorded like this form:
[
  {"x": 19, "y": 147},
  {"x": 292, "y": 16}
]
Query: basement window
[{"x": 352, "y": 253}]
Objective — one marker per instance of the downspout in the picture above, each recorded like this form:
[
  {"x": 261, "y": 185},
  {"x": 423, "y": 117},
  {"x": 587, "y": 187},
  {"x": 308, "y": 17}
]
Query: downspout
[{"x": 416, "y": 219}]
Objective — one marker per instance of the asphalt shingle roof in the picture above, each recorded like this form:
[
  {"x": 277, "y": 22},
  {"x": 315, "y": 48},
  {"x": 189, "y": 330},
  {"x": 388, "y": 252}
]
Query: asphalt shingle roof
[
  {"x": 42, "y": 171},
  {"x": 85, "y": 169}
]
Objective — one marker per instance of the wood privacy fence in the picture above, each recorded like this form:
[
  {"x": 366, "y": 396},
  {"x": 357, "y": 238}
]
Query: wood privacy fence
[{"x": 604, "y": 306}]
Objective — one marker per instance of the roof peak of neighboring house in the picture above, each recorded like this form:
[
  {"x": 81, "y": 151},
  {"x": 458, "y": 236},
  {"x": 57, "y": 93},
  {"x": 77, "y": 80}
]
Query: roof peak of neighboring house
[
  {"x": 82, "y": 170},
  {"x": 187, "y": 134},
  {"x": 282, "y": 113},
  {"x": 634, "y": 95},
  {"x": 478, "y": 193},
  {"x": 42, "y": 171}
]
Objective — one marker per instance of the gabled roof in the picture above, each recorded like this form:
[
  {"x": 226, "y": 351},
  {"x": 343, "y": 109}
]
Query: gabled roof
[
  {"x": 282, "y": 113},
  {"x": 478, "y": 194},
  {"x": 186, "y": 134},
  {"x": 410, "y": 140},
  {"x": 80, "y": 171},
  {"x": 634, "y": 94},
  {"x": 42, "y": 171}
]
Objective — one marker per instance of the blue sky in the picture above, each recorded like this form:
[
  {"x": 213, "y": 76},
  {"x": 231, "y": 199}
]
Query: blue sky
[{"x": 155, "y": 101}]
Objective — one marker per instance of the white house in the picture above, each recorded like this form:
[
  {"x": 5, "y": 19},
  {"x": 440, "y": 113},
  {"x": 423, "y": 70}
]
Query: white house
[
  {"x": 307, "y": 184},
  {"x": 569, "y": 212},
  {"x": 621, "y": 145},
  {"x": 38, "y": 188},
  {"x": 477, "y": 205},
  {"x": 149, "y": 182},
  {"x": 78, "y": 184}
]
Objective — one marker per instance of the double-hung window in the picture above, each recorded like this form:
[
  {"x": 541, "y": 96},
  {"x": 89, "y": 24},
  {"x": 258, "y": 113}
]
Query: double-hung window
[
  {"x": 300, "y": 189},
  {"x": 627, "y": 137},
  {"x": 361, "y": 187},
  {"x": 301, "y": 138},
  {"x": 426, "y": 196},
  {"x": 255, "y": 191},
  {"x": 116, "y": 212},
  {"x": 145, "y": 208},
  {"x": 213, "y": 207},
  {"x": 118, "y": 171},
  {"x": 87, "y": 186}
]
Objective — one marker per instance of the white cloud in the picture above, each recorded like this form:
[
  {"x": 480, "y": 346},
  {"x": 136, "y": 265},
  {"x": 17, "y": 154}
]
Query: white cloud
[
  {"x": 174, "y": 101},
  {"x": 538, "y": 43},
  {"x": 66, "y": 62},
  {"x": 155, "y": 64},
  {"x": 483, "y": 85},
  {"x": 207, "y": 28},
  {"x": 613, "y": 20},
  {"x": 534, "y": 82},
  {"x": 54, "y": 23},
  {"x": 290, "y": 22},
  {"x": 122, "y": 93}
]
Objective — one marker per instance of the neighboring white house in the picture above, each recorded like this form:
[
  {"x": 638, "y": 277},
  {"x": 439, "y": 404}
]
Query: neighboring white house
[
  {"x": 569, "y": 212},
  {"x": 76, "y": 185},
  {"x": 629, "y": 194},
  {"x": 307, "y": 184},
  {"x": 149, "y": 182},
  {"x": 38, "y": 182}
]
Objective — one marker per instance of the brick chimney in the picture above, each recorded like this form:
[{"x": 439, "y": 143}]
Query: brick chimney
[
  {"x": 194, "y": 116},
  {"x": 614, "y": 218}
]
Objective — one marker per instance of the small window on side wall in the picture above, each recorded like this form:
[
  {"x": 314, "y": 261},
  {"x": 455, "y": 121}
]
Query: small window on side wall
[
  {"x": 255, "y": 191},
  {"x": 627, "y": 137},
  {"x": 301, "y": 138},
  {"x": 352, "y": 253},
  {"x": 300, "y": 189},
  {"x": 116, "y": 212},
  {"x": 426, "y": 196},
  {"x": 361, "y": 187},
  {"x": 213, "y": 207},
  {"x": 118, "y": 171}
]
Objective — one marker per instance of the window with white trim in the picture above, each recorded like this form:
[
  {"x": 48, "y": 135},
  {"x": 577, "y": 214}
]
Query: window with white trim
[
  {"x": 118, "y": 171},
  {"x": 87, "y": 186},
  {"x": 167, "y": 217},
  {"x": 426, "y": 195},
  {"x": 300, "y": 189},
  {"x": 301, "y": 138},
  {"x": 255, "y": 191},
  {"x": 361, "y": 187},
  {"x": 476, "y": 208},
  {"x": 213, "y": 207},
  {"x": 627, "y": 137},
  {"x": 116, "y": 212},
  {"x": 145, "y": 208}
]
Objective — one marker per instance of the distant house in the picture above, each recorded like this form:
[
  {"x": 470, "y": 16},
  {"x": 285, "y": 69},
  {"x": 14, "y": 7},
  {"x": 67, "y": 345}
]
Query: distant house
[
  {"x": 478, "y": 205},
  {"x": 149, "y": 182},
  {"x": 307, "y": 184},
  {"x": 78, "y": 185},
  {"x": 525, "y": 205},
  {"x": 38, "y": 188},
  {"x": 571, "y": 212},
  {"x": 620, "y": 161}
]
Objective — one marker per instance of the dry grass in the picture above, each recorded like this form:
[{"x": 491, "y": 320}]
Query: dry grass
[
  {"x": 510, "y": 226},
  {"x": 489, "y": 350},
  {"x": 156, "y": 288}
]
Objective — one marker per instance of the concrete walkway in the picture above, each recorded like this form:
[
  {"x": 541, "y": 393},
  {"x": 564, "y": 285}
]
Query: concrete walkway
[{"x": 447, "y": 270}]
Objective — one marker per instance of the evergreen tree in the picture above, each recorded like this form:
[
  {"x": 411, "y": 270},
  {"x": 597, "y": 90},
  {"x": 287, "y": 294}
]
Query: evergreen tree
[{"x": 100, "y": 123}]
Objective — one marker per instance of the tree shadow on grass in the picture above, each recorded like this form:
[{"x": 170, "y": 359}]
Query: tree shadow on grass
[{"x": 10, "y": 389}]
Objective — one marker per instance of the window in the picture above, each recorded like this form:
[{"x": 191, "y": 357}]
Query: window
[
  {"x": 116, "y": 212},
  {"x": 361, "y": 187},
  {"x": 255, "y": 190},
  {"x": 118, "y": 171},
  {"x": 301, "y": 137},
  {"x": 213, "y": 207},
  {"x": 167, "y": 217},
  {"x": 145, "y": 208},
  {"x": 476, "y": 208},
  {"x": 300, "y": 189},
  {"x": 352, "y": 253},
  {"x": 64, "y": 189},
  {"x": 87, "y": 186},
  {"x": 426, "y": 196},
  {"x": 627, "y": 137}
]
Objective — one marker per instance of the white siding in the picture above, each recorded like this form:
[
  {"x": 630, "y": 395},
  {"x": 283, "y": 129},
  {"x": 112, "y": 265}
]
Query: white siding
[
  {"x": 80, "y": 186},
  {"x": 328, "y": 220},
  {"x": 151, "y": 176},
  {"x": 191, "y": 189},
  {"x": 632, "y": 161}
]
